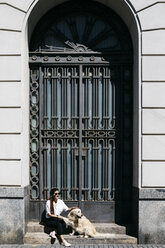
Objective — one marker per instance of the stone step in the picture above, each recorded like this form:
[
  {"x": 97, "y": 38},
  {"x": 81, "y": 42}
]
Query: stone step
[
  {"x": 43, "y": 238},
  {"x": 100, "y": 227}
]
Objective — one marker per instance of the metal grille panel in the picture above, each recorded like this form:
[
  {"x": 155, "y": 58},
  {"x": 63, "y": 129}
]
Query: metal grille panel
[{"x": 73, "y": 132}]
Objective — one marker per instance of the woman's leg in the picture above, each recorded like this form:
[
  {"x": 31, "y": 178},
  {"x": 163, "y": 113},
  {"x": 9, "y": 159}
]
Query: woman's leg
[{"x": 58, "y": 225}]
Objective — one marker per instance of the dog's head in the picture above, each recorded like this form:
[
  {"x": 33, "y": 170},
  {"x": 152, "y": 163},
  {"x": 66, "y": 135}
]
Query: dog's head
[{"x": 75, "y": 214}]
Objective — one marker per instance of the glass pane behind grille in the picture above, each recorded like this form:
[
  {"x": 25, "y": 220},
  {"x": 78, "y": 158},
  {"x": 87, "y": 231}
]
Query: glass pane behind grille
[
  {"x": 60, "y": 124},
  {"x": 97, "y": 142}
]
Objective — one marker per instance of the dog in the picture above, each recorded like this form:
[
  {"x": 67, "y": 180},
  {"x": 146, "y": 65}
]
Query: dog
[{"x": 81, "y": 225}]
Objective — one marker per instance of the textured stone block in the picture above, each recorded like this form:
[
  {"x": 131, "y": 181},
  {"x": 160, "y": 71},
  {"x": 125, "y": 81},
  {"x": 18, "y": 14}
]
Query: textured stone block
[
  {"x": 10, "y": 146},
  {"x": 153, "y": 68},
  {"x": 153, "y": 147},
  {"x": 153, "y": 121},
  {"x": 22, "y": 5},
  {"x": 11, "y": 120},
  {"x": 153, "y": 174},
  {"x": 153, "y": 42},
  {"x": 10, "y": 94},
  {"x": 11, "y": 18},
  {"x": 151, "y": 222},
  {"x": 12, "y": 221},
  {"x": 153, "y": 95},
  {"x": 151, "y": 193},
  {"x": 141, "y": 4},
  {"x": 10, "y": 173},
  {"x": 153, "y": 17},
  {"x": 10, "y": 42},
  {"x": 10, "y": 69},
  {"x": 13, "y": 214},
  {"x": 14, "y": 192}
]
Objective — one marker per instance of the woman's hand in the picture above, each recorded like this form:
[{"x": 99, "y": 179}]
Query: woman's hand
[
  {"x": 70, "y": 209},
  {"x": 60, "y": 217}
]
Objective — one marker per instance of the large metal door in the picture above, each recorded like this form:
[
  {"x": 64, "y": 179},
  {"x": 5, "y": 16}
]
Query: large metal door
[{"x": 73, "y": 128}]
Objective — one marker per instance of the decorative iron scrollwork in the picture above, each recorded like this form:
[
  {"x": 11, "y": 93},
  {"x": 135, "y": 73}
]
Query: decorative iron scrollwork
[
  {"x": 34, "y": 134},
  {"x": 99, "y": 133},
  {"x": 78, "y": 47},
  {"x": 59, "y": 133},
  {"x": 74, "y": 47}
]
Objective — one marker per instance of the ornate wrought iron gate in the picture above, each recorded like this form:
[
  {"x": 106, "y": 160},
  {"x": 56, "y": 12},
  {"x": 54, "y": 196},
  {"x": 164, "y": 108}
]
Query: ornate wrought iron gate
[{"x": 72, "y": 109}]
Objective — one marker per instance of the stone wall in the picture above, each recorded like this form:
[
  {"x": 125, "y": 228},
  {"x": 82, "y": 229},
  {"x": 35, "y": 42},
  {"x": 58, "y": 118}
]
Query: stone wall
[
  {"x": 151, "y": 216},
  {"x": 146, "y": 23},
  {"x": 13, "y": 214}
]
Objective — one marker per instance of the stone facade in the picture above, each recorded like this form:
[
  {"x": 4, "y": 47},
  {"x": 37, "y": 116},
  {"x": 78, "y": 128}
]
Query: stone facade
[{"x": 146, "y": 23}]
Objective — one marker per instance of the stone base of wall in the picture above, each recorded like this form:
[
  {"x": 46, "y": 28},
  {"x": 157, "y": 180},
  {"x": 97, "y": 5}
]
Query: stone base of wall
[
  {"x": 149, "y": 215},
  {"x": 151, "y": 223},
  {"x": 13, "y": 214}
]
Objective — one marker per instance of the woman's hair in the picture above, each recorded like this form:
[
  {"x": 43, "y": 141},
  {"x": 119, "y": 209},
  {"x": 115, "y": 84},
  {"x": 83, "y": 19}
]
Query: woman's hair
[
  {"x": 52, "y": 198},
  {"x": 52, "y": 191}
]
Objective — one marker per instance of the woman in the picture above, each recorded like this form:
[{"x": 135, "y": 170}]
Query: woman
[{"x": 54, "y": 208}]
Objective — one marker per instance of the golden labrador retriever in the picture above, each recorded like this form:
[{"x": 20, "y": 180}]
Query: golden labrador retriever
[
  {"x": 83, "y": 226},
  {"x": 80, "y": 223}
]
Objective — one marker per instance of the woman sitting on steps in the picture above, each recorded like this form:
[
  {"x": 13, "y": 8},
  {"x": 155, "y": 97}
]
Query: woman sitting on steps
[{"x": 54, "y": 220}]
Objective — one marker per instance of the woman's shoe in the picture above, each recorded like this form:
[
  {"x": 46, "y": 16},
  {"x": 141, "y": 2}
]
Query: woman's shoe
[
  {"x": 52, "y": 234},
  {"x": 65, "y": 243}
]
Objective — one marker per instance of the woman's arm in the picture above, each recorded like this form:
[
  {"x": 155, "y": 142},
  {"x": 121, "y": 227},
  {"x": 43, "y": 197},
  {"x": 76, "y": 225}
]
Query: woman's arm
[
  {"x": 70, "y": 209},
  {"x": 49, "y": 212},
  {"x": 55, "y": 216}
]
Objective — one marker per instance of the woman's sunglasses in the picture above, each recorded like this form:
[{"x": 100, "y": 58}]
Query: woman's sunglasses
[{"x": 56, "y": 193}]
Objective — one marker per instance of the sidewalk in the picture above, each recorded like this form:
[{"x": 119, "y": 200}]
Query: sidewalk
[{"x": 84, "y": 246}]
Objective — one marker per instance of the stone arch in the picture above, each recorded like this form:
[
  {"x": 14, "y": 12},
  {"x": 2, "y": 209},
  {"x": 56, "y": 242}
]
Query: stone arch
[{"x": 125, "y": 11}]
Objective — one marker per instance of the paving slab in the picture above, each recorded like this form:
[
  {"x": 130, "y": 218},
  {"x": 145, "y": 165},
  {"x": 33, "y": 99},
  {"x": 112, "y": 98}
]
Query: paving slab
[{"x": 87, "y": 246}]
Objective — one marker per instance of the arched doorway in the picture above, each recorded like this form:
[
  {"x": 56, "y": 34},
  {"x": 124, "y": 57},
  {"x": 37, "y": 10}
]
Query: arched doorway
[{"x": 81, "y": 110}]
